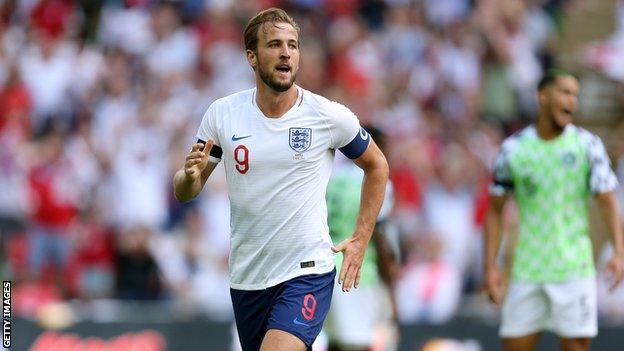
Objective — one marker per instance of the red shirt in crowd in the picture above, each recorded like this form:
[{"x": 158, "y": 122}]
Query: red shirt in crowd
[{"x": 52, "y": 207}]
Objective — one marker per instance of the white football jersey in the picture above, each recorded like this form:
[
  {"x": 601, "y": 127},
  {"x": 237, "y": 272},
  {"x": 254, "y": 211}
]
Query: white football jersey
[{"x": 277, "y": 171}]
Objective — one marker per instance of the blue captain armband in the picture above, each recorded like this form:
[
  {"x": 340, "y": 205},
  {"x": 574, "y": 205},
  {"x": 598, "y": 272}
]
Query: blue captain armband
[{"x": 356, "y": 147}]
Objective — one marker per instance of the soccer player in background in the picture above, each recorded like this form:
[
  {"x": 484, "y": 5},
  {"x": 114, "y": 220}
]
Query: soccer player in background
[
  {"x": 277, "y": 142},
  {"x": 355, "y": 318},
  {"x": 551, "y": 168}
]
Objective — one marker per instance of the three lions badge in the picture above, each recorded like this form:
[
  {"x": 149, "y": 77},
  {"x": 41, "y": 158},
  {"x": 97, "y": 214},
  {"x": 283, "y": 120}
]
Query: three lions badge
[{"x": 300, "y": 138}]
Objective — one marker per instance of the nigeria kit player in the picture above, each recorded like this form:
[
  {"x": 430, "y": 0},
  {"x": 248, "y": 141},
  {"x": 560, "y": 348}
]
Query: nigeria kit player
[
  {"x": 277, "y": 143},
  {"x": 551, "y": 168}
]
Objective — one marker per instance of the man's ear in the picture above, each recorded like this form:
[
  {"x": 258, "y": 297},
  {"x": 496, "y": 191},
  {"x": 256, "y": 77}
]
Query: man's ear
[{"x": 252, "y": 59}]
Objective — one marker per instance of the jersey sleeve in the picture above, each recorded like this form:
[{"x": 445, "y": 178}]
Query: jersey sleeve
[
  {"x": 502, "y": 181},
  {"x": 347, "y": 135},
  {"x": 602, "y": 179},
  {"x": 208, "y": 130}
]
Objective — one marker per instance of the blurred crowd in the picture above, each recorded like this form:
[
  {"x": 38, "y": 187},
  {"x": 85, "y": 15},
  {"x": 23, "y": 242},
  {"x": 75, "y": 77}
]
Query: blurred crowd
[
  {"x": 100, "y": 101},
  {"x": 606, "y": 55}
]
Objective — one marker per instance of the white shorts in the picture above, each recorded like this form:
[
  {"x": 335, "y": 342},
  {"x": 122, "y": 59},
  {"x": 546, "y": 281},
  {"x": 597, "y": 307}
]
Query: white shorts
[
  {"x": 354, "y": 316},
  {"x": 568, "y": 309}
]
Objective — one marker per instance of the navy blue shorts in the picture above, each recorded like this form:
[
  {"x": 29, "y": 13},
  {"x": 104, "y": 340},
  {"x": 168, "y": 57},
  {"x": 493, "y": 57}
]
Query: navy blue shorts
[{"x": 297, "y": 306}]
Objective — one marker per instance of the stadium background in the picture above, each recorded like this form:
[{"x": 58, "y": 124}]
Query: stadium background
[{"x": 100, "y": 100}]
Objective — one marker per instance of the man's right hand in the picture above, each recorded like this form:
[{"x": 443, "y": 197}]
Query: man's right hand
[
  {"x": 197, "y": 160},
  {"x": 493, "y": 285}
]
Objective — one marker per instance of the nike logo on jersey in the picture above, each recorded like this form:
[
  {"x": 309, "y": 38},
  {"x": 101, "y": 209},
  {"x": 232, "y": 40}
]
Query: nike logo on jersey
[
  {"x": 235, "y": 138},
  {"x": 296, "y": 321}
]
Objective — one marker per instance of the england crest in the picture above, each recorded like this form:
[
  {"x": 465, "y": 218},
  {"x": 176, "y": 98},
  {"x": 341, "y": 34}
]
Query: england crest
[{"x": 300, "y": 138}]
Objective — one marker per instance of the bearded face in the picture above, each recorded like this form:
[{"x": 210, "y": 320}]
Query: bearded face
[{"x": 276, "y": 60}]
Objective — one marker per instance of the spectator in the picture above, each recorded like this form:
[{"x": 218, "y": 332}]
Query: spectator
[
  {"x": 194, "y": 266},
  {"x": 45, "y": 67},
  {"x": 429, "y": 287},
  {"x": 137, "y": 273},
  {"x": 54, "y": 205}
]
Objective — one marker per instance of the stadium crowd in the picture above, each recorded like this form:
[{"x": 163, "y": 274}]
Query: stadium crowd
[{"x": 99, "y": 101}]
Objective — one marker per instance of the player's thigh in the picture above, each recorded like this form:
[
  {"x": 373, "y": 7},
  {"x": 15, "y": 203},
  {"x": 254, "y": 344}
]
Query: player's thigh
[
  {"x": 575, "y": 344},
  {"x": 523, "y": 343},
  {"x": 301, "y": 306},
  {"x": 525, "y": 311},
  {"x": 574, "y": 308},
  {"x": 279, "y": 340}
]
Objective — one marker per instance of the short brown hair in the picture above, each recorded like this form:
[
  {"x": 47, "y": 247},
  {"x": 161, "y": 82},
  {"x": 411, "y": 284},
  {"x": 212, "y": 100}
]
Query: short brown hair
[{"x": 272, "y": 15}]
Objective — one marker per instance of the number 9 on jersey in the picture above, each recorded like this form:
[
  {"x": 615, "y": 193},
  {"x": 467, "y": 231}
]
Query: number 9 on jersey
[{"x": 241, "y": 156}]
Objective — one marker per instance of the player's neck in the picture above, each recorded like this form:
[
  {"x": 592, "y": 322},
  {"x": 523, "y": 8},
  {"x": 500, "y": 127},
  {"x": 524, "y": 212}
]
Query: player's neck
[
  {"x": 275, "y": 104},
  {"x": 546, "y": 128}
]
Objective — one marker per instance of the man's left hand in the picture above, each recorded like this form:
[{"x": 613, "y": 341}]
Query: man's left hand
[{"x": 353, "y": 254}]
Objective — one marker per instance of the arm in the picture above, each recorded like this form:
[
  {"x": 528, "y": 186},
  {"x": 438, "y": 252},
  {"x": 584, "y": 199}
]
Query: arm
[
  {"x": 189, "y": 181},
  {"x": 610, "y": 210},
  {"x": 375, "y": 167},
  {"x": 602, "y": 183},
  {"x": 493, "y": 229},
  {"x": 501, "y": 187}
]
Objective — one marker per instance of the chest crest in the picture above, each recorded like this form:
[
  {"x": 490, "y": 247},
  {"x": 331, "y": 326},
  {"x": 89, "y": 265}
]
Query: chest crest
[{"x": 300, "y": 139}]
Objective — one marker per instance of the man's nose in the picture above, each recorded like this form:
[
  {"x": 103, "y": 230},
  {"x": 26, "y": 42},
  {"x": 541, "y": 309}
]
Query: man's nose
[{"x": 285, "y": 52}]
